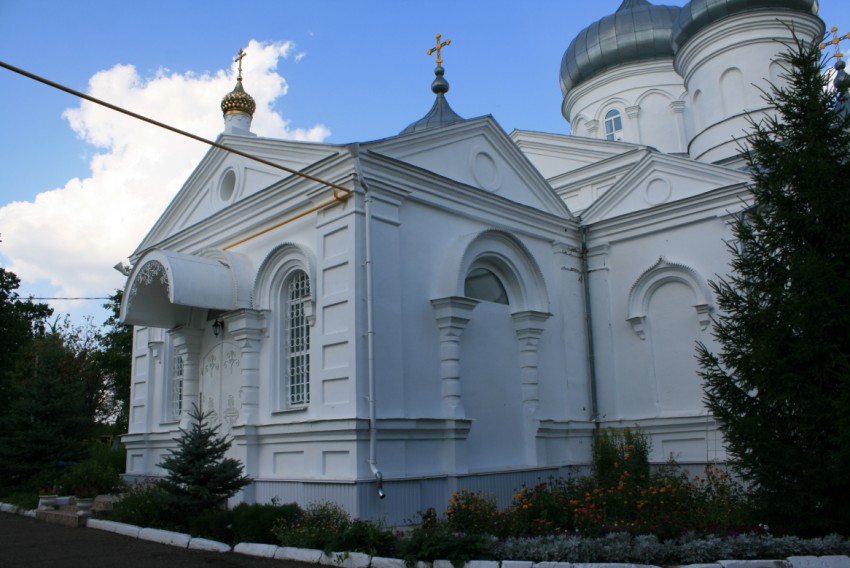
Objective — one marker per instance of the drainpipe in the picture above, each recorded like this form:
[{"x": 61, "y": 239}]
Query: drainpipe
[
  {"x": 370, "y": 328},
  {"x": 588, "y": 329}
]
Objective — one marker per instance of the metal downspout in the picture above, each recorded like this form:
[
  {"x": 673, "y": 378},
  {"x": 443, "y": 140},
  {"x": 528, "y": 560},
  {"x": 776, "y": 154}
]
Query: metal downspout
[
  {"x": 588, "y": 329},
  {"x": 370, "y": 328}
]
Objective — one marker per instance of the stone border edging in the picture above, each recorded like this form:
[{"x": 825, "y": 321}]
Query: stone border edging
[{"x": 360, "y": 560}]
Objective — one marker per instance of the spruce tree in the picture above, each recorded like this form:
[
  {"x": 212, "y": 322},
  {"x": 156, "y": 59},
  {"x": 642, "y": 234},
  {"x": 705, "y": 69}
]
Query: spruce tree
[
  {"x": 199, "y": 476},
  {"x": 779, "y": 386}
]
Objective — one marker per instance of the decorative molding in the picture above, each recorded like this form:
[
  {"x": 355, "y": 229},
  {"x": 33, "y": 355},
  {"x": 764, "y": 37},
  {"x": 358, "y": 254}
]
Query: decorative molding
[
  {"x": 452, "y": 314},
  {"x": 663, "y": 272}
]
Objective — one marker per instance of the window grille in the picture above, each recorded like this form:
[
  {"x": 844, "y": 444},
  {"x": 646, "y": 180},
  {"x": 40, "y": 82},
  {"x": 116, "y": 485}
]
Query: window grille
[
  {"x": 177, "y": 388},
  {"x": 613, "y": 125},
  {"x": 297, "y": 339}
]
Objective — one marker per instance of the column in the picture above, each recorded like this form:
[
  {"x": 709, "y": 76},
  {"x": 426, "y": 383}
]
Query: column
[
  {"x": 247, "y": 327},
  {"x": 187, "y": 345},
  {"x": 678, "y": 108},
  {"x": 528, "y": 327},
  {"x": 632, "y": 112},
  {"x": 452, "y": 314}
]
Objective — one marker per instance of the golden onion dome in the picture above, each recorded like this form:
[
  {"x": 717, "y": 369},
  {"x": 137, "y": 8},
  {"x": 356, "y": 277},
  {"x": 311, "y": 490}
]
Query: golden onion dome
[{"x": 238, "y": 100}]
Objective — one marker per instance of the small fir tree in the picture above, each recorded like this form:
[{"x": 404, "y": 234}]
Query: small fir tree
[
  {"x": 199, "y": 476},
  {"x": 780, "y": 384}
]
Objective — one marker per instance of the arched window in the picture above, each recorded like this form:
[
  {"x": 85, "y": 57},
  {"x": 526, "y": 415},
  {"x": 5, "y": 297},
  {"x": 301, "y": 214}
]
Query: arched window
[
  {"x": 613, "y": 125},
  {"x": 176, "y": 402},
  {"x": 482, "y": 284},
  {"x": 296, "y": 339}
]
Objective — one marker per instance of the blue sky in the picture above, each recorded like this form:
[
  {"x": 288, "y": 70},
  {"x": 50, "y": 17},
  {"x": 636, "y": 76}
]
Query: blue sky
[{"x": 353, "y": 71}]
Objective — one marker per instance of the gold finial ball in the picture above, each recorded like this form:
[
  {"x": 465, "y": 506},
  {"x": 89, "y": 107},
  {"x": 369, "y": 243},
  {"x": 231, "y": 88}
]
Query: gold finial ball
[{"x": 238, "y": 100}]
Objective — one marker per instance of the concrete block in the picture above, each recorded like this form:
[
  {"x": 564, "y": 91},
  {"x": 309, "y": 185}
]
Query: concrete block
[
  {"x": 7, "y": 508},
  {"x": 308, "y": 555},
  {"x": 517, "y": 563},
  {"x": 614, "y": 565},
  {"x": 64, "y": 518},
  {"x": 209, "y": 545},
  {"x": 256, "y": 549},
  {"x": 482, "y": 564},
  {"x": 754, "y": 563},
  {"x": 836, "y": 561},
  {"x": 552, "y": 565},
  {"x": 346, "y": 559},
  {"x": 381, "y": 562},
  {"x": 442, "y": 564},
  {"x": 165, "y": 537},
  {"x": 112, "y": 526}
]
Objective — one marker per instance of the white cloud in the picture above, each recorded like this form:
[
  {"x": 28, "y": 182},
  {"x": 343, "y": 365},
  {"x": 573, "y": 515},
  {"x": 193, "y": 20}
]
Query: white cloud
[{"x": 73, "y": 235}]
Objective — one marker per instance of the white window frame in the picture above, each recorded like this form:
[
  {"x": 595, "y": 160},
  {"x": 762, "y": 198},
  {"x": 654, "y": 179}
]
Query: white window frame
[
  {"x": 614, "y": 125},
  {"x": 296, "y": 316}
]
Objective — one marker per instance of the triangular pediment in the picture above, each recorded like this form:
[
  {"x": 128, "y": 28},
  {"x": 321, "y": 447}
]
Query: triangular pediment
[
  {"x": 476, "y": 153},
  {"x": 223, "y": 178},
  {"x": 555, "y": 155},
  {"x": 658, "y": 179}
]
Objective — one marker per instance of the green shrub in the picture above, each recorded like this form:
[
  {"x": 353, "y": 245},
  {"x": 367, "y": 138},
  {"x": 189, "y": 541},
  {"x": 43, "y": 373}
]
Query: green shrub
[
  {"x": 436, "y": 541},
  {"x": 23, "y": 501},
  {"x": 369, "y": 537},
  {"x": 255, "y": 523},
  {"x": 144, "y": 505},
  {"x": 319, "y": 527},
  {"x": 214, "y": 524},
  {"x": 472, "y": 512},
  {"x": 619, "y": 451},
  {"x": 97, "y": 473}
]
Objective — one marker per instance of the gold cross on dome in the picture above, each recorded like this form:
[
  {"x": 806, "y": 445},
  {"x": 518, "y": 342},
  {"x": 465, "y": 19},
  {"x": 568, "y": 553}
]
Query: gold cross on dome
[
  {"x": 836, "y": 39},
  {"x": 238, "y": 59},
  {"x": 438, "y": 47}
]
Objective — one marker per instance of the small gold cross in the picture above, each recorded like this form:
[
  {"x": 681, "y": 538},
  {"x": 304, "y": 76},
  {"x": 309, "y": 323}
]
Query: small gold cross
[
  {"x": 438, "y": 47},
  {"x": 238, "y": 59},
  {"x": 836, "y": 39}
]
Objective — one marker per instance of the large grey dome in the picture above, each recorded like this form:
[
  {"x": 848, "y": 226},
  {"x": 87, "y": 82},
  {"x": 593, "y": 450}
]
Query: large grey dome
[
  {"x": 637, "y": 31},
  {"x": 697, "y": 14}
]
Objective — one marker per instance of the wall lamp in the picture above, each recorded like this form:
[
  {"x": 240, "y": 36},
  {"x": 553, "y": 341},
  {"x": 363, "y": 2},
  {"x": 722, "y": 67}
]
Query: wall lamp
[{"x": 218, "y": 327}]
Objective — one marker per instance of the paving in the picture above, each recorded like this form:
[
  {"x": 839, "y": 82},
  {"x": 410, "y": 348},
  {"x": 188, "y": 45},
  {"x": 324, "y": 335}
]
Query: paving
[{"x": 26, "y": 542}]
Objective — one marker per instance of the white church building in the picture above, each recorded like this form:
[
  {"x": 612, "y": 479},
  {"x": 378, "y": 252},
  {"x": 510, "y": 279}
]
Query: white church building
[{"x": 457, "y": 307}]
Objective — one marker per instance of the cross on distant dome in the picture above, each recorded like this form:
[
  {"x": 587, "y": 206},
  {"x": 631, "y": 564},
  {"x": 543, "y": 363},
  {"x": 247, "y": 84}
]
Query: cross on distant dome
[
  {"x": 836, "y": 39},
  {"x": 438, "y": 47},
  {"x": 238, "y": 59}
]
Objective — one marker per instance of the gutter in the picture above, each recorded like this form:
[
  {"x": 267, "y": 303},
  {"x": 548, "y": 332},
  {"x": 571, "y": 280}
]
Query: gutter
[
  {"x": 370, "y": 328},
  {"x": 588, "y": 329}
]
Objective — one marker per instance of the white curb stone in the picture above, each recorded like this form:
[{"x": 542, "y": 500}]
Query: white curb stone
[
  {"x": 482, "y": 564},
  {"x": 209, "y": 545},
  {"x": 165, "y": 537},
  {"x": 381, "y": 562},
  {"x": 836, "y": 561},
  {"x": 308, "y": 555},
  {"x": 754, "y": 563},
  {"x": 7, "y": 508},
  {"x": 112, "y": 526},
  {"x": 700, "y": 566},
  {"x": 348, "y": 559},
  {"x": 443, "y": 564},
  {"x": 552, "y": 565},
  {"x": 256, "y": 549},
  {"x": 517, "y": 563}
]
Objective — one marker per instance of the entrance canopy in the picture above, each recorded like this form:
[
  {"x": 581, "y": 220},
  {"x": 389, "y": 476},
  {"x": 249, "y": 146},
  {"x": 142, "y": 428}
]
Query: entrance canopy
[{"x": 164, "y": 287}]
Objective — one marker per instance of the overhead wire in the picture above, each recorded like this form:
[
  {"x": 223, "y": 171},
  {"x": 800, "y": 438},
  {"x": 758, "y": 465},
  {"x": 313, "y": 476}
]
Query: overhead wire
[{"x": 143, "y": 118}]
